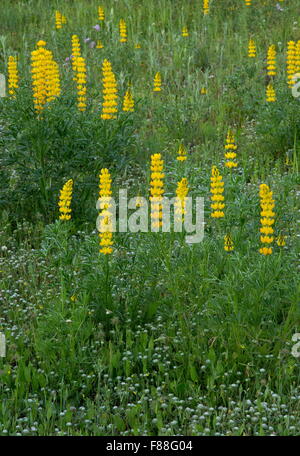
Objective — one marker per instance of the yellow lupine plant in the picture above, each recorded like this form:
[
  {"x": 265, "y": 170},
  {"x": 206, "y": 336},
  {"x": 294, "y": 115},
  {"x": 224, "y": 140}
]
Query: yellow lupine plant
[
  {"x": 58, "y": 20},
  {"x": 182, "y": 153},
  {"x": 267, "y": 220},
  {"x": 157, "y": 82},
  {"x": 230, "y": 151},
  {"x": 76, "y": 52},
  {"x": 184, "y": 32},
  {"x": 110, "y": 92},
  {"x": 291, "y": 62},
  {"x": 228, "y": 243},
  {"x": 123, "y": 31},
  {"x": 251, "y": 49},
  {"x": 217, "y": 197},
  {"x": 271, "y": 60},
  {"x": 156, "y": 190},
  {"x": 297, "y": 57},
  {"x": 45, "y": 76},
  {"x": 13, "y": 75},
  {"x": 65, "y": 199},
  {"x": 81, "y": 81},
  {"x": 205, "y": 7},
  {"x": 106, "y": 226},
  {"x": 101, "y": 14},
  {"x": 270, "y": 93},
  {"x": 128, "y": 102},
  {"x": 180, "y": 200}
]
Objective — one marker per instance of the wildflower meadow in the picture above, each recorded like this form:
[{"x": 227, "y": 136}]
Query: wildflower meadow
[{"x": 149, "y": 209}]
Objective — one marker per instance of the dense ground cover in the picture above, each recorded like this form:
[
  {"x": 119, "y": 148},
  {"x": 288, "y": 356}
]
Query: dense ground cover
[{"x": 161, "y": 337}]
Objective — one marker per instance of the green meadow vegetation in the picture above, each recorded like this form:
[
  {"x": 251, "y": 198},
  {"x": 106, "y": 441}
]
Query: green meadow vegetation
[{"x": 160, "y": 337}]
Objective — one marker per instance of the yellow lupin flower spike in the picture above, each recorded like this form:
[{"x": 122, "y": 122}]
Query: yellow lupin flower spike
[
  {"x": 228, "y": 243},
  {"x": 123, "y": 31},
  {"x": 230, "y": 151},
  {"x": 45, "y": 76},
  {"x": 99, "y": 44},
  {"x": 65, "y": 200},
  {"x": 101, "y": 14},
  {"x": 280, "y": 241},
  {"x": 81, "y": 83},
  {"x": 180, "y": 200},
  {"x": 251, "y": 49},
  {"x": 76, "y": 52},
  {"x": 110, "y": 92},
  {"x": 271, "y": 60},
  {"x": 13, "y": 76},
  {"x": 297, "y": 57},
  {"x": 291, "y": 62},
  {"x": 182, "y": 153},
  {"x": 205, "y": 7},
  {"x": 128, "y": 102},
  {"x": 58, "y": 20},
  {"x": 156, "y": 190},
  {"x": 270, "y": 93},
  {"x": 184, "y": 32},
  {"x": 217, "y": 197},
  {"x": 105, "y": 226},
  {"x": 267, "y": 214},
  {"x": 157, "y": 82}
]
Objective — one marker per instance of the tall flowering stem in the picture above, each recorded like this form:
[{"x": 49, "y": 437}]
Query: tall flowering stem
[
  {"x": 280, "y": 241},
  {"x": 110, "y": 92},
  {"x": 228, "y": 243},
  {"x": 53, "y": 79},
  {"x": 76, "y": 52},
  {"x": 101, "y": 14},
  {"x": 291, "y": 62},
  {"x": 13, "y": 76},
  {"x": 81, "y": 83},
  {"x": 157, "y": 82},
  {"x": 45, "y": 76},
  {"x": 271, "y": 61},
  {"x": 251, "y": 49},
  {"x": 60, "y": 20},
  {"x": 230, "y": 151},
  {"x": 156, "y": 190},
  {"x": 184, "y": 32},
  {"x": 38, "y": 72},
  {"x": 123, "y": 31},
  {"x": 205, "y": 7},
  {"x": 270, "y": 93},
  {"x": 182, "y": 153},
  {"x": 217, "y": 197},
  {"x": 65, "y": 199},
  {"x": 297, "y": 57},
  {"x": 105, "y": 215},
  {"x": 180, "y": 201},
  {"x": 267, "y": 220},
  {"x": 128, "y": 102}
]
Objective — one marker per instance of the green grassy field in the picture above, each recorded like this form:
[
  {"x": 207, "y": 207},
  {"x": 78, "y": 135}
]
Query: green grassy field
[{"x": 161, "y": 337}]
